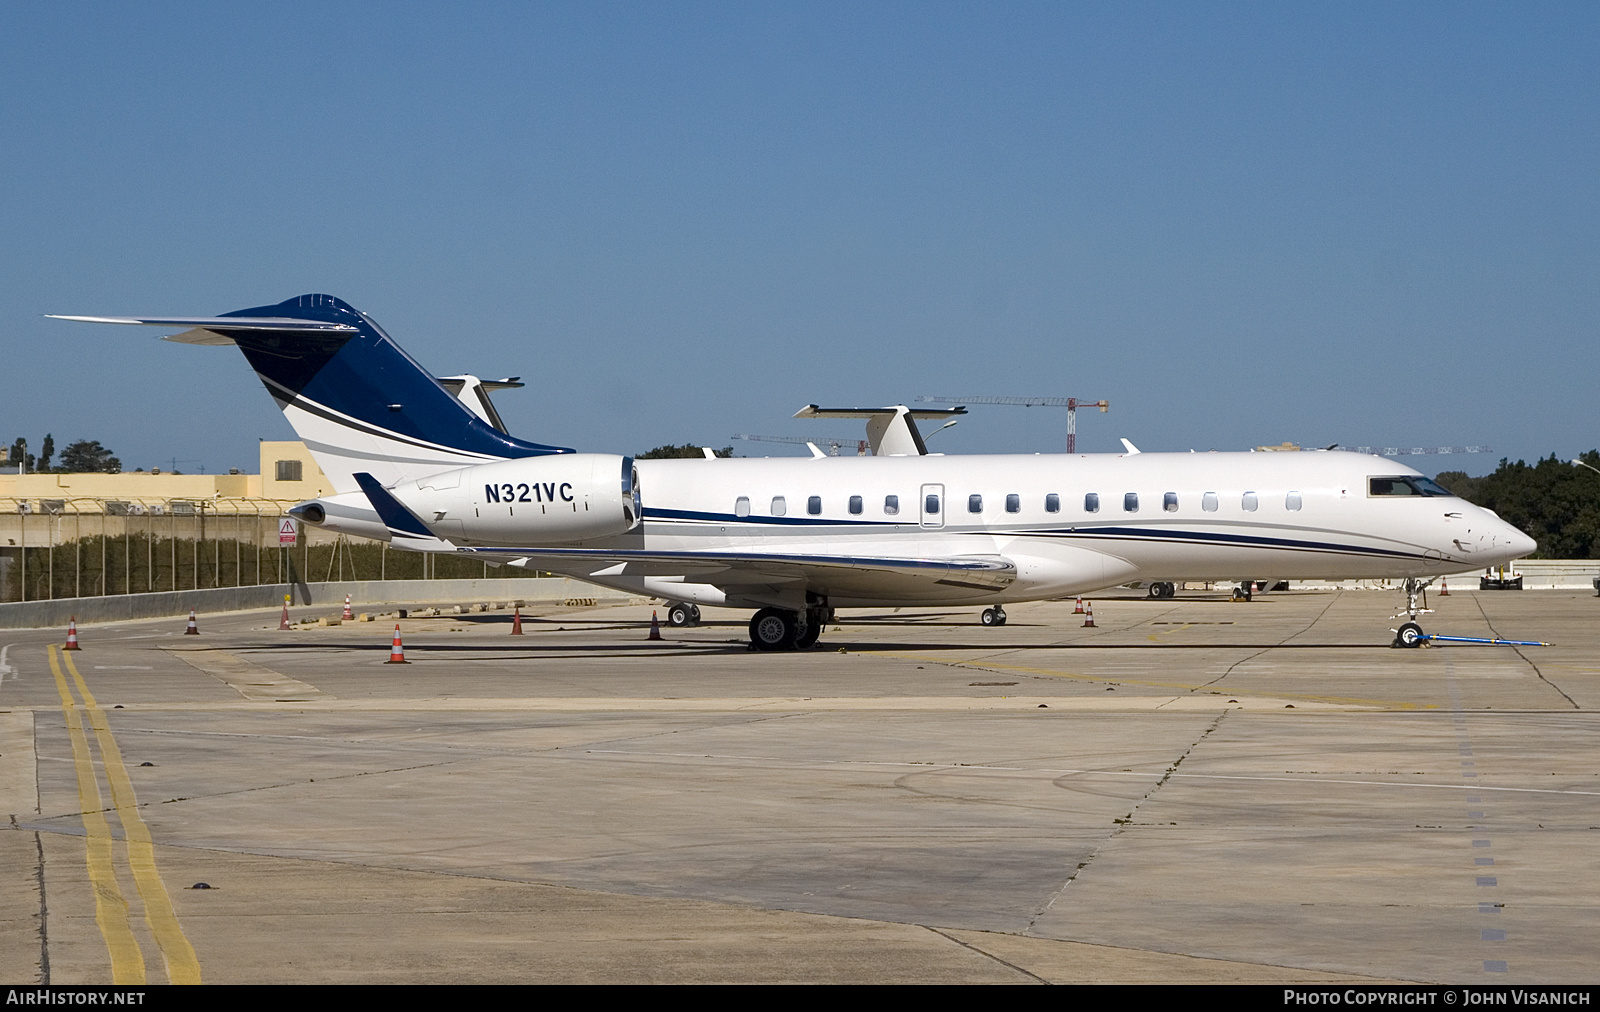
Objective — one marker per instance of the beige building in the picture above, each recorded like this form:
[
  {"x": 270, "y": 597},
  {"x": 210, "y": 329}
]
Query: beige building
[
  {"x": 37, "y": 510},
  {"x": 288, "y": 475}
]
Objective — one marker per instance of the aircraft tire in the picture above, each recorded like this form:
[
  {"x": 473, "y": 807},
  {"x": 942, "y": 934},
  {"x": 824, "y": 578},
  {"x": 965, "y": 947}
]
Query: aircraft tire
[
  {"x": 993, "y": 616},
  {"x": 808, "y": 639},
  {"x": 680, "y": 615},
  {"x": 1408, "y": 635},
  {"x": 773, "y": 629},
  {"x": 694, "y": 614}
]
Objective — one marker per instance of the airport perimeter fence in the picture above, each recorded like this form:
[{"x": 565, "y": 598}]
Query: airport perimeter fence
[{"x": 53, "y": 549}]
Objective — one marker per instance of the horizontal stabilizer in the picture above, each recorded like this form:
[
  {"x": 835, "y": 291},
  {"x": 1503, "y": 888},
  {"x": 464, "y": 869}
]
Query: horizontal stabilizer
[
  {"x": 217, "y": 323},
  {"x": 813, "y": 411}
]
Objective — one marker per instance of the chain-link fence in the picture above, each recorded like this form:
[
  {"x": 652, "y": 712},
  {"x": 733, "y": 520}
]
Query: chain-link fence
[{"x": 92, "y": 547}]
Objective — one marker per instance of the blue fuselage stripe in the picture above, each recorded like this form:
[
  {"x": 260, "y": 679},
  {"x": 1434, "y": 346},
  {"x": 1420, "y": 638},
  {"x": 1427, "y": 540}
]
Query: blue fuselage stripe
[{"x": 1078, "y": 532}]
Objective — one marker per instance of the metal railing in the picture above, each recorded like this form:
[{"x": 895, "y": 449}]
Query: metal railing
[{"x": 91, "y": 547}]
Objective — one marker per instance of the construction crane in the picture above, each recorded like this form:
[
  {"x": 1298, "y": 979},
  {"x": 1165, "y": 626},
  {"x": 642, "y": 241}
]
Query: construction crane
[
  {"x": 1426, "y": 451},
  {"x": 833, "y": 445},
  {"x": 1386, "y": 451},
  {"x": 1072, "y": 404}
]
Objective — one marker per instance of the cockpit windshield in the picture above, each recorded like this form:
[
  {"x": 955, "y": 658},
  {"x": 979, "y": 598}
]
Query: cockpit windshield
[{"x": 1405, "y": 484}]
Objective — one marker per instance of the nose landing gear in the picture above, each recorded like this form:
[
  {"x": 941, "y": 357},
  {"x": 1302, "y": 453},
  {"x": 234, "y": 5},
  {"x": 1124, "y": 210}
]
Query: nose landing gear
[{"x": 1410, "y": 634}]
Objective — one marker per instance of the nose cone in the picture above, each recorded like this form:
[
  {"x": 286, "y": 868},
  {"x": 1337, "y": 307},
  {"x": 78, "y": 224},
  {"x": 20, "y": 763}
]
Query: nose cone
[
  {"x": 1518, "y": 544},
  {"x": 1502, "y": 543}
]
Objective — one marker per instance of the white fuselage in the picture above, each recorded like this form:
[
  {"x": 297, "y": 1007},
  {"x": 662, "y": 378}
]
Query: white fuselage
[
  {"x": 828, "y": 531},
  {"x": 1312, "y": 518}
]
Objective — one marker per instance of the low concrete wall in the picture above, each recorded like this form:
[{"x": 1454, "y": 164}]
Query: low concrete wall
[
  {"x": 364, "y": 595},
  {"x": 1537, "y": 574}
]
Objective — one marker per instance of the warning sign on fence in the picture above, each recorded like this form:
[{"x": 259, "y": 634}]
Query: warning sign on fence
[{"x": 288, "y": 534}]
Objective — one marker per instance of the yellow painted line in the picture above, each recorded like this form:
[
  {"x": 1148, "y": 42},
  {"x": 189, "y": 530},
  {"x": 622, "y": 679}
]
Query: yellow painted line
[
  {"x": 1155, "y": 637},
  {"x": 1386, "y": 704},
  {"x": 182, "y": 965},
  {"x": 110, "y": 909}
]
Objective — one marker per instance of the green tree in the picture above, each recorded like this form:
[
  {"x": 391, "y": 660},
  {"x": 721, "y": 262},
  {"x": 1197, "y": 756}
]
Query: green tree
[
  {"x": 46, "y": 451},
  {"x": 687, "y": 450},
  {"x": 87, "y": 455},
  {"x": 20, "y": 455},
  {"x": 1554, "y": 501}
]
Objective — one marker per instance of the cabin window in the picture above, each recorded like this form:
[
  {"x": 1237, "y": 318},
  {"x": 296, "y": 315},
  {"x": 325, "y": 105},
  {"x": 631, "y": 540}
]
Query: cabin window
[
  {"x": 855, "y": 505},
  {"x": 891, "y": 505},
  {"x": 1091, "y": 502},
  {"x": 779, "y": 507},
  {"x": 814, "y": 505},
  {"x": 974, "y": 504},
  {"x": 741, "y": 506},
  {"x": 1292, "y": 501},
  {"x": 1013, "y": 503},
  {"x": 1208, "y": 502},
  {"x": 1248, "y": 502},
  {"x": 930, "y": 505},
  {"x": 1052, "y": 503},
  {"x": 1130, "y": 502},
  {"x": 1169, "y": 502}
]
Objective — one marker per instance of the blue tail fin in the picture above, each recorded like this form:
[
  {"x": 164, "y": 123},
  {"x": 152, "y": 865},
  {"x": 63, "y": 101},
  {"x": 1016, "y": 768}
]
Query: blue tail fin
[
  {"x": 361, "y": 403},
  {"x": 358, "y": 401}
]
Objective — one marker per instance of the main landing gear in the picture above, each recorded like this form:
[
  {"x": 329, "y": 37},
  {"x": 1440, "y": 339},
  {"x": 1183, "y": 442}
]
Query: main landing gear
[
  {"x": 1410, "y": 633},
  {"x": 993, "y": 616},
  {"x": 681, "y": 613},
  {"x": 782, "y": 629},
  {"x": 1160, "y": 590}
]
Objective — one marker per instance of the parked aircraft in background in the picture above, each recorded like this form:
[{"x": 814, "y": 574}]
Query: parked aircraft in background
[{"x": 793, "y": 538}]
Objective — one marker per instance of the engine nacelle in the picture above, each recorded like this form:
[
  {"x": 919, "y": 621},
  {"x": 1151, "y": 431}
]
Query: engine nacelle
[{"x": 528, "y": 501}]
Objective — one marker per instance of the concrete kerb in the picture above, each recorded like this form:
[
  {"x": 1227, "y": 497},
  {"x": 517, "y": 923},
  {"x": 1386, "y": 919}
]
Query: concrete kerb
[{"x": 125, "y": 607}]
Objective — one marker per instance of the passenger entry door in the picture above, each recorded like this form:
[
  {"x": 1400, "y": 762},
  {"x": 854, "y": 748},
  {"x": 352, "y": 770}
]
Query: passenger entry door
[{"x": 932, "y": 505}]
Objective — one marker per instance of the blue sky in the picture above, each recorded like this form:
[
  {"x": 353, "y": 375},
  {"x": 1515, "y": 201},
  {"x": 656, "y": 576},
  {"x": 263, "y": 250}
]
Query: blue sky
[{"x": 1367, "y": 224}]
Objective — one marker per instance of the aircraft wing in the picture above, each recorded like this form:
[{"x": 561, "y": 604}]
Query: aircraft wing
[{"x": 836, "y": 574}]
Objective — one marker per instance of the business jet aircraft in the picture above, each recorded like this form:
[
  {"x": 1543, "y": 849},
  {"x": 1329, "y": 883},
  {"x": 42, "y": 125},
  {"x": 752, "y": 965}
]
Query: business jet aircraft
[{"x": 794, "y": 538}]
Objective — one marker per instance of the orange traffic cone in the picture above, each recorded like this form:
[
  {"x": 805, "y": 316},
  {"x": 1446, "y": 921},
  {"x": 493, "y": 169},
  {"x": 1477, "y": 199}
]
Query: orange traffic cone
[
  {"x": 655, "y": 627},
  {"x": 1444, "y": 587},
  {"x": 347, "y": 617},
  {"x": 72, "y": 634},
  {"x": 1088, "y": 616},
  {"x": 516, "y": 622},
  {"x": 1079, "y": 609},
  {"x": 283, "y": 623},
  {"x": 397, "y": 653},
  {"x": 194, "y": 627}
]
